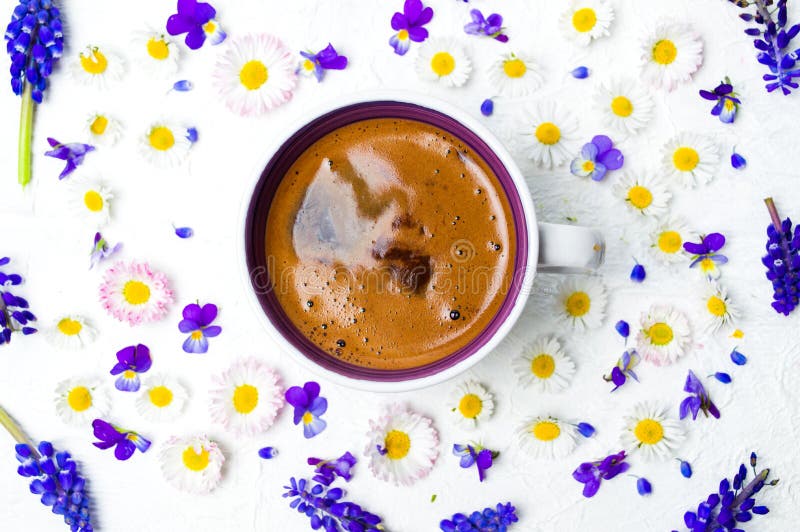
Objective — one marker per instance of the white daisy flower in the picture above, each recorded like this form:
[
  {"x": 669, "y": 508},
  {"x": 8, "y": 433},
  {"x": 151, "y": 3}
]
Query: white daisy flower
[
  {"x": 719, "y": 310},
  {"x": 162, "y": 398},
  {"x": 546, "y": 437},
  {"x": 625, "y": 105},
  {"x": 643, "y": 194},
  {"x": 548, "y": 133},
  {"x": 402, "y": 446},
  {"x": 255, "y": 74},
  {"x": 247, "y": 397},
  {"x": 515, "y": 75},
  {"x": 445, "y": 61},
  {"x": 103, "y": 129},
  {"x": 690, "y": 159},
  {"x": 544, "y": 365},
  {"x": 97, "y": 67},
  {"x": 157, "y": 53},
  {"x": 166, "y": 144},
  {"x": 90, "y": 200},
  {"x": 581, "y": 302},
  {"x": 652, "y": 432},
  {"x": 666, "y": 241},
  {"x": 81, "y": 400},
  {"x": 71, "y": 332},
  {"x": 664, "y": 335},
  {"x": 471, "y": 403},
  {"x": 586, "y": 20},
  {"x": 671, "y": 53},
  {"x": 193, "y": 465}
]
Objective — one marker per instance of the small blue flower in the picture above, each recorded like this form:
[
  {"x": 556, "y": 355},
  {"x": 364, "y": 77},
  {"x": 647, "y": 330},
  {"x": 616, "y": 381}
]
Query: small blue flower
[
  {"x": 487, "y": 107},
  {"x": 597, "y": 158},
  {"x": 580, "y": 73}
]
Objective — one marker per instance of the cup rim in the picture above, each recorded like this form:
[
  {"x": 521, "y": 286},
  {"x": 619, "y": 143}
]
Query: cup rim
[{"x": 528, "y": 262}]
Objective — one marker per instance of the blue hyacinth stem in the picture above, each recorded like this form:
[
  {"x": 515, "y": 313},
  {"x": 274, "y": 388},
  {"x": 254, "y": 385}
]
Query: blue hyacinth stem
[
  {"x": 25, "y": 136},
  {"x": 15, "y": 431}
]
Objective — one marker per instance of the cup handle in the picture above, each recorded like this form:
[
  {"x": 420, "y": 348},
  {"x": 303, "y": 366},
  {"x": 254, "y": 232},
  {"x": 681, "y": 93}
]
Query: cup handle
[{"x": 569, "y": 248}]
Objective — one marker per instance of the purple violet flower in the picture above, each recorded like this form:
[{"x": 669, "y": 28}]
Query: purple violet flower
[
  {"x": 318, "y": 63},
  {"x": 308, "y": 407},
  {"x": 727, "y": 101},
  {"x": 783, "y": 261},
  {"x": 101, "y": 250},
  {"x": 125, "y": 442},
  {"x": 476, "y": 455},
  {"x": 699, "y": 400},
  {"x": 196, "y": 323},
  {"x": 409, "y": 25},
  {"x": 73, "y": 153},
  {"x": 326, "y": 471},
  {"x": 590, "y": 474},
  {"x": 196, "y": 20},
  {"x": 597, "y": 158},
  {"x": 132, "y": 361},
  {"x": 491, "y": 26},
  {"x": 705, "y": 254}
]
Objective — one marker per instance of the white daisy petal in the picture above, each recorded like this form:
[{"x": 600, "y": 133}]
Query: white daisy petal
[
  {"x": 547, "y": 134},
  {"x": 643, "y": 194},
  {"x": 81, "y": 400},
  {"x": 157, "y": 53},
  {"x": 193, "y": 465},
  {"x": 515, "y": 75},
  {"x": 581, "y": 302},
  {"x": 97, "y": 67},
  {"x": 671, "y": 53},
  {"x": 470, "y": 404},
  {"x": 586, "y": 20},
  {"x": 666, "y": 240},
  {"x": 690, "y": 159},
  {"x": 546, "y": 437},
  {"x": 166, "y": 144},
  {"x": 161, "y": 399},
  {"x": 247, "y": 397},
  {"x": 71, "y": 332},
  {"x": 90, "y": 200},
  {"x": 443, "y": 60},
  {"x": 625, "y": 105},
  {"x": 664, "y": 336},
  {"x": 652, "y": 432},
  {"x": 718, "y": 310}
]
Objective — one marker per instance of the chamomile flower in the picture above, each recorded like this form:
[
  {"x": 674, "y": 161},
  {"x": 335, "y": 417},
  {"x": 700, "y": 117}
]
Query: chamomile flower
[
  {"x": 97, "y": 67},
  {"x": 643, "y": 194},
  {"x": 157, "y": 53},
  {"x": 246, "y": 398},
  {"x": 586, "y": 20},
  {"x": 80, "y": 400},
  {"x": 445, "y": 61},
  {"x": 471, "y": 404},
  {"x": 71, "y": 332},
  {"x": 166, "y": 144},
  {"x": 719, "y": 311},
  {"x": 690, "y": 159},
  {"x": 625, "y": 105},
  {"x": 90, "y": 200},
  {"x": 133, "y": 292},
  {"x": 103, "y": 129},
  {"x": 402, "y": 446},
  {"x": 650, "y": 430},
  {"x": 544, "y": 366},
  {"x": 548, "y": 134},
  {"x": 666, "y": 241},
  {"x": 664, "y": 335},
  {"x": 193, "y": 465},
  {"x": 581, "y": 302},
  {"x": 162, "y": 398},
  {"x": 546, "y": 437},
  {"x": 255, "y": 74},
  {"x": 671, "y": 53},
  {"x": 515, "y": 75}
]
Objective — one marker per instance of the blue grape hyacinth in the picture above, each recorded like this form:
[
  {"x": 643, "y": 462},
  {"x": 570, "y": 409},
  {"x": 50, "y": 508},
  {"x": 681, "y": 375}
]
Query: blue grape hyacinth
[
  {"x": 783, "y": 261},
  {"x": 499, "y": 518},
  {"x": 15, "y": 316}
]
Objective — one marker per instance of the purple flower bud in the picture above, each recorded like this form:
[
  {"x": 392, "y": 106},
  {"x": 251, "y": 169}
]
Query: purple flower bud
[
  {"x": 184, "y": 232},
  {"x": 268, "y": 453},
  {"x": 586, "y": 430},
  {"x": 623, "y": 328},
  {"x": 738, "y": 162},
  {"x": 581, "y": 72},
  {"x": 183, "y": 85},
  {"x": 738, "y": 358},
  {"x": 191, "y": 134},
  {"x": 487, "y": 107},
  {"x": 686, "y": 469},
  {"x": 644, "y": 487},
  {"x": 638, "y": 273},
  {"x": 724, "y": 378}
]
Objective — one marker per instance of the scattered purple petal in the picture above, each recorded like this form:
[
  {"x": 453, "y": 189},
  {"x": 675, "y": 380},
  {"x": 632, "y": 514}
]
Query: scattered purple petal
[
  {"x": 581, "y": 72},
  {"x": 638, "y": 273},
  {"x": 487, "y": 107},
  {"x": 738, "y": 358},
  {"x": 184, "y": 232},
  {"x": 267, "y": 453},
  {"x": 644, "y": 487},
  {"x": 183, "y": 85},
  {"x": 724, "y": 378},
  {"x": 738, "y": 162}
]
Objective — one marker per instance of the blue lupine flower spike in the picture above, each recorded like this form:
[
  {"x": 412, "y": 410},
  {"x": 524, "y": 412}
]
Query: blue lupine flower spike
[
  {"x": 15, "y": 315},
  {"x": 326, "y": 508},
  {"x": 782, "y": 261}
]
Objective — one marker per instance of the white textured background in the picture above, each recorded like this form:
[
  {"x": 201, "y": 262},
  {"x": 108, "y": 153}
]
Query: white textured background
[{"x": 759, "y": 410}]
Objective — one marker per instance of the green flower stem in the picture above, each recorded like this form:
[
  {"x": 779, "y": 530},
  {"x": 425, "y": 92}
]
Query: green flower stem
[
  {"x": 15, "y": 431},
  {"x": 25, "y": 136}
]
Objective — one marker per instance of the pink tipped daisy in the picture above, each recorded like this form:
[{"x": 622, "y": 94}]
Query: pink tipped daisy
[
  {"x": 255, "y": 74},
  {"x": 134, "y": 293}
]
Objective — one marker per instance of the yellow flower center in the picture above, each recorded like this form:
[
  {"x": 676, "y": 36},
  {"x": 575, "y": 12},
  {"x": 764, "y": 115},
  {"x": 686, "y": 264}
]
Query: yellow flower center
[
  {"x": 95, "y": 62},
  {"x": 210, "y": 26},
  {"x": 548, "y": 133},
  {"x": 308, "y": 417},
  {"x": 79, "y": 398},
  {"x": 514, "y": 68},
  {"x": 194, "y": 461},
  {"x": 649, "y": 431},
  {"x": 670, "y": 242},
  {"x": 588, "y": 166},
  {"x": 308, "y": 65},
  {"x": 584, "y": 20},
  {"x": 622, "y": 106},
  {"x": 578, "y": 304},
  {"x": 397, "y": 444},
  {"x": 136, "y": 292},
  {"x": 245, "y": 398},
  {"x": 470, "y": 406},
  {"x": 196, "y": 335},
  {"x": 161, "y": 138},
  {"x": 402, "y": 35},
  {"x": 160, "y": 396},
  {"x": 716, "y": 306},
  {"x": 69, "y": 327},
  {"x": 443, "y": 63},
  {"x": 543, "y": 366},
  {"x": 99, "y": 125},
  {"x": 93, "y": 201},
  {"x": 664, "y": 52},
  {"x": 685, "y": 159},
  {"x": 546, "y": 431},
  {"x": 660, "y": 334},
  {"x": 157, "y": 49},
  {"x": 640, "y": 197},
  {"x": 707, "y": 265},
  {"x": 253, "y": 74},
  {"x": 129, "y": 374}
]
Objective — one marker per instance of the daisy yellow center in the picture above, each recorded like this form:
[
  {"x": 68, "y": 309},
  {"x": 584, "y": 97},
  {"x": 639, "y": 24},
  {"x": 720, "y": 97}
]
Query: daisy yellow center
[
  {"x": 470, "y": 406},
  {"x": 649, "y": 431},
  {"x": 640, "y": 197},
  {"x": 543, "y": 366},
  {"x": 584, "y": 20},
  {"x": 161, "y": 138},
  {"x": 443, "y": 63},
  {"x": 253, "y": 75},
  {"x": 94, "y": 63},
  {"x": 98, "y": 125},
  {"x": 195, "y": 461},
  {"x": 402, "y": 35},
  {"x": 79, "y": 398},
  {"x": 136, "y": 292},
  {"x": 245, "y": 398},
  {"x": 670, "y": 242},
  {"x": 665, "y": 52},
  {"x": 196, "y": 335},
  {"x": 716, "y": 306},
  {"x": 397, "y": 444},
  {"x": 685, "y": 159},
  {"x": 160, "y": 396},
  {"x": 546, "y": 431},
  {"x": 157, "y": 49},
  {"x": 660, "y": 334},
  {"x": 308, "y": 65},
  {"x": 588, "y": 166},
  {"x": 69, "y": 327},
  {"x": 308, "y": 417},
  {"x": 93, "y": 201},
  {"x": 578, "y": 304},
  {"x": 548, "y": 133},
  {"x": 622, "y": 107},
  {"x": 210, "y": 26},
  {"x": 514, "y": 68}
]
